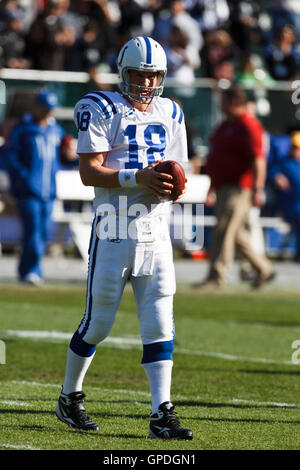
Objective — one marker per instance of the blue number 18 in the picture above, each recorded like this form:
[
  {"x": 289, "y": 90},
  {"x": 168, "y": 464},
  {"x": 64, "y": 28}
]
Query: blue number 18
[{"x": 150, "y": 130}]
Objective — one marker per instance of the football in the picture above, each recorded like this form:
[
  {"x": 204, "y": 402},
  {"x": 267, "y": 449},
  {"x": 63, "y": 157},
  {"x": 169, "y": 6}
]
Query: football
[{"x": 176, "y": 170}]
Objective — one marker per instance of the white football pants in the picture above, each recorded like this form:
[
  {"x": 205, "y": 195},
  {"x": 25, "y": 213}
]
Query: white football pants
[{"x": 111, "y": 264}]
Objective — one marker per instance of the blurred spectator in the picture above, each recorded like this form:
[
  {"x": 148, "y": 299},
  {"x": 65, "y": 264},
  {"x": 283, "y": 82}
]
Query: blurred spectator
[
  {"x": 181, "y": 59},
  {"x": 236, "y": 165},
  {"x": 224, "y": 70},
  {"x": 51, "y": 36},
  {"x": 251, "y": 72},
  {"x": 244, "y": 28},
  {"x": 90, "y": 48},
  {"x": 279, "y": 146},
  {"x": 279, "y": 149},
  {"x": 281, "y": 56},
  {"x": 95, "y": 35},
  {"x": 29, "y": 8},
  {"x": 286, "y": 179},
  {"x": 32, "y": 161},
  {"x": 131, "y": 20},
  {"x": 285, "y": 12},
  {"x": 7, "y": 203},
  {"x": 177, "y": 16},
  {"x": 209, "y": 14},
  {"x": 217, "y": 55},
  {"x": 12, "y": 40}
]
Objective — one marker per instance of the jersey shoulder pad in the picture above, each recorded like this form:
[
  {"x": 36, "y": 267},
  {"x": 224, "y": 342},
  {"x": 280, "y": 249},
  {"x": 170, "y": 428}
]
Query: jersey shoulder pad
[
  {"x": 176, "y": 111},
  {"x": 100, "y": 101}
]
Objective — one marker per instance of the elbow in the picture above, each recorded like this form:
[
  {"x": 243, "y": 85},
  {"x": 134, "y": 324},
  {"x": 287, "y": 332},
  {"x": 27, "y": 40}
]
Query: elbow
[{"x": 84, "y": 179}]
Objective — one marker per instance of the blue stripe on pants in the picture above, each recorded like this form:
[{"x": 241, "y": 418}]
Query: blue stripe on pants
[{"x": 78, "y": 345}]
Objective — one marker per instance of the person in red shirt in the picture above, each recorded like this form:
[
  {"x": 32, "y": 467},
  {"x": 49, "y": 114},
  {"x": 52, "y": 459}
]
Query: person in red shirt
[{"x": 236, "y": 164}]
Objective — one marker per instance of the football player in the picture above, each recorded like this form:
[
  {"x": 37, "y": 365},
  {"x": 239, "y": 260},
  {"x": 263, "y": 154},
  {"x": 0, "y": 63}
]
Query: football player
[{"x": 121, "y": 138}]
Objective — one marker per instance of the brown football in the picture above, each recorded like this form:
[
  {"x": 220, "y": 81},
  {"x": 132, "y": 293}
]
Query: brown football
[{"x": 175, "y": 169}]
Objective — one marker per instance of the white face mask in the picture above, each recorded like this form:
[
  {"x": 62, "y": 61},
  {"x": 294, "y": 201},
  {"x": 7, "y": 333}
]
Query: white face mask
[{"x": 140, "y": 92}]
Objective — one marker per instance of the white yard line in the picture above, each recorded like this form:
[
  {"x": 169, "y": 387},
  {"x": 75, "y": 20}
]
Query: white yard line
[
  {"x": 231, "y": 357},
  {"x": 15, "y": 446},
  {"x": 266, "y": 403},
  {"x": 135, "y": 341},
  {"x": 14, "y": 403},
  {"x": 33, "y": 334},
  {"x": 34, "y": 384},
  {"x": 105, "y": 390},
  {"x": 59, "y": 335}
]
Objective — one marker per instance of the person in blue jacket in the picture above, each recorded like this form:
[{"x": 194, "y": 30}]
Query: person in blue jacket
[
  {"x": 32, "y": 153},
  {"x": 279, "y": 149},
  {"x": 286, "y": 179}
]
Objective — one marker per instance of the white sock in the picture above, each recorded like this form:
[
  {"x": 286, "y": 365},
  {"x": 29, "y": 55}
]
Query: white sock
[
  {"x": 159, "y": 376},
  {"x": 76, "y": 369}
]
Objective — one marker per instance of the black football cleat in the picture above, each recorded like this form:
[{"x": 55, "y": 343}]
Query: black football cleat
[
  {"x": 165, "y": 425},
  {"x": 70, "y": 410}
]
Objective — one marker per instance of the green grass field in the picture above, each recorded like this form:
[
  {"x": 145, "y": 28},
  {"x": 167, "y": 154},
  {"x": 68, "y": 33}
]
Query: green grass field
[{"x": 233, "y": 380}]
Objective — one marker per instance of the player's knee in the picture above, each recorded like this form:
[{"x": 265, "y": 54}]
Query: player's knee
[
  {"x": 99, "y": 330},
  {"x": 159, "y": 330},
  {"x": 156, "y": 320}
]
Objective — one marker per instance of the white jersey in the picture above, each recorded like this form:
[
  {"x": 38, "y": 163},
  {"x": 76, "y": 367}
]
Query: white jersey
[{"x": 107, "y": 122}]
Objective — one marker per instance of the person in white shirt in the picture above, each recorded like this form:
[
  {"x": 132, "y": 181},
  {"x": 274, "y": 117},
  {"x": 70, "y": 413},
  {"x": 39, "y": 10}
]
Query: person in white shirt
[{"x": 122, "y": 136}]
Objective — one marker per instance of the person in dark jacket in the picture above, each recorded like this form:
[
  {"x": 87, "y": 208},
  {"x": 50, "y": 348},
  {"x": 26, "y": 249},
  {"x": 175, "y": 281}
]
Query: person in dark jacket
[{"x": 32, "y": 153}]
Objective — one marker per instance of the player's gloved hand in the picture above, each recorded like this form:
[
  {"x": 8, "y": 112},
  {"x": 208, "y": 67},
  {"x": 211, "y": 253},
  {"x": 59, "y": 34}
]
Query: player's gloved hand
[{"x": 160, "y": 184}]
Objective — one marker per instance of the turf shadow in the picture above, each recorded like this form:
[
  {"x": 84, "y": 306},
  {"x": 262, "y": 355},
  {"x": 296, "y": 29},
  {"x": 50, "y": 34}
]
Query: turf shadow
[
  {"x": 268, "y": 372},
  {"x": 230, "y": 405}
]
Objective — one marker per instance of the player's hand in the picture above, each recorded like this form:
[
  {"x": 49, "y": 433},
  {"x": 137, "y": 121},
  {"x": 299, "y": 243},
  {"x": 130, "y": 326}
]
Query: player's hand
[{"x": 160, "y": 184}]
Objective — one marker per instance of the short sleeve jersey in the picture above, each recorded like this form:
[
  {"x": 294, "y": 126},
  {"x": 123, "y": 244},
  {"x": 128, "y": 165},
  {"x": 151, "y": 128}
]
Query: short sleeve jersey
[{"x": 107, "y": 122}]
